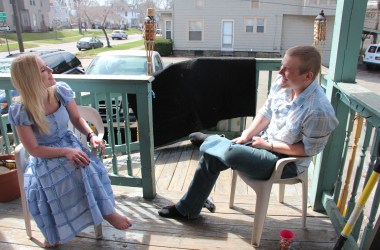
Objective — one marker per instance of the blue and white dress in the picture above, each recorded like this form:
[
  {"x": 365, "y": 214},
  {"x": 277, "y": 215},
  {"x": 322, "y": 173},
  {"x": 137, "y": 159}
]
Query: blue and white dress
[{"x": 63, "y": 200}]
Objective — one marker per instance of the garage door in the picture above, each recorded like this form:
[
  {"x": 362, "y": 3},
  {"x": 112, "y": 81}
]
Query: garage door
[{"x": 299, "y": 30}]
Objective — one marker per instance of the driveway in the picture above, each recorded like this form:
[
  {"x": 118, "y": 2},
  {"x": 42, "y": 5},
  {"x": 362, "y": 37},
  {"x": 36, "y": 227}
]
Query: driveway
[{"x": 369, "y": 79}]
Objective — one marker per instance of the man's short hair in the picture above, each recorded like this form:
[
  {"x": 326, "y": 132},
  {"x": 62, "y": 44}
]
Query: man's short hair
[{"x": 309, "y": 56}]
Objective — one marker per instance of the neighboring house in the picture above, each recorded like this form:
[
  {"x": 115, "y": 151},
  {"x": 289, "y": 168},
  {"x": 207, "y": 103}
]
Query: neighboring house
[
  {"x": 33, "y": 14},
  {"x": 248, "y": 27},
  {"x": 133, "y": 17}
]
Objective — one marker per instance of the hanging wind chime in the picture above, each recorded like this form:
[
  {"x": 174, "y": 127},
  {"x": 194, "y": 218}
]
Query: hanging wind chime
[
  {"x": 149, "y": 35},
  {"x": 320, "y": 35}
]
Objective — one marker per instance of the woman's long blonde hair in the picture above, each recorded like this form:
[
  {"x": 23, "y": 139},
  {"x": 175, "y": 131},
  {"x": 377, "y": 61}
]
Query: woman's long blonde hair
[{"x": 26, "y": 78}]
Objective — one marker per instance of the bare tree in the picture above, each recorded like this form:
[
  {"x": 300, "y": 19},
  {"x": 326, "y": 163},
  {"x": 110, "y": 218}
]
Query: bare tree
[
  {"x": 99, "y": 14},
  {"x": 57, "y": 25},
  {"x": 92, "y": 13}
]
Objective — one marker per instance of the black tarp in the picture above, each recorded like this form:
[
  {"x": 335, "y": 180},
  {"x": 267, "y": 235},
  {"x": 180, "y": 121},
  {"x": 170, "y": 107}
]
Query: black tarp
[{"x": 194, "y": 95}]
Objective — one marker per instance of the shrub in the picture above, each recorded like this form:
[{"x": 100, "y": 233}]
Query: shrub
[{"x": 164, "y": 46}]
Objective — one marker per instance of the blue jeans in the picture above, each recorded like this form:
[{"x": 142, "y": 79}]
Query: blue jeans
[{"x": 219, "y": 154}]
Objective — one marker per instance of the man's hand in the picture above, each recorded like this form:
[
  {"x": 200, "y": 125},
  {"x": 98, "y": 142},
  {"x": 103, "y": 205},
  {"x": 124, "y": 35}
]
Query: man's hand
[
  {"x": 258, "y": 142},
  {"x": 240, "y": 140}
]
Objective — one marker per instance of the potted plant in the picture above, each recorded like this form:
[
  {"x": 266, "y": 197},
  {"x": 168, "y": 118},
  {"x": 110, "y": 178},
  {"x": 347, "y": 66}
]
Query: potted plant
[{"x": 9, "y": 185}]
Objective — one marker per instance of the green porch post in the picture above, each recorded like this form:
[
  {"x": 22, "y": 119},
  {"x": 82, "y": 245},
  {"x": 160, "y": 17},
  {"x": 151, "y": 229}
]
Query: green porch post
[
  {"x": 145, "y": 127},
  {"x": 349, "y": 20}
]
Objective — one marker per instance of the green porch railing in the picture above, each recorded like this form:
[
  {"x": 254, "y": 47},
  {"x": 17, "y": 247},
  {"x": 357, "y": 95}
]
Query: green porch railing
[
  {"x": 111, "y": 89},
  {"x": 352, "y": 102}
]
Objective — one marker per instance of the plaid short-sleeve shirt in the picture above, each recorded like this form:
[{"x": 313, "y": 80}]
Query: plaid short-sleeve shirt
[{"x": 309, "y": 118}]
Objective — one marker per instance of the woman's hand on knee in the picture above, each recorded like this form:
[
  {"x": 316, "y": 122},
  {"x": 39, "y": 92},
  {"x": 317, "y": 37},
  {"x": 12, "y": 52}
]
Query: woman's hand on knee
[{"x": 78, "y": 158}]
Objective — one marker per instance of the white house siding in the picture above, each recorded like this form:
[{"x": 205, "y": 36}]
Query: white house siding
[
  {"x": 297, "y": 30},
  {"x": 268, "y": 43}
]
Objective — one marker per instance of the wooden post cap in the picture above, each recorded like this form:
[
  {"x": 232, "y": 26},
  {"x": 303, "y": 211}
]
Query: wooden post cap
[{"x": 150, "y": 12}]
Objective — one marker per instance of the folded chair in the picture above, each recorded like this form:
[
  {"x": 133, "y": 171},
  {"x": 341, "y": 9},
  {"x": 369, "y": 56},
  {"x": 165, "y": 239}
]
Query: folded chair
[
  {"x": 263, "y": 189},
  {"x": 92, "y": 116}
]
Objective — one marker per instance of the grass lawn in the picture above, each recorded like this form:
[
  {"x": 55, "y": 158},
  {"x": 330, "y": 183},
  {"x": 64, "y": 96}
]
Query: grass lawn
[
  {"x": 31, "y": 40},
  {"x": 14, "y": 46}
]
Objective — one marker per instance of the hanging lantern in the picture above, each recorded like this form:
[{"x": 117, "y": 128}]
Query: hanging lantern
[
  {"x": 149, "y": 35},
  {"x": 320, "y": 28}
]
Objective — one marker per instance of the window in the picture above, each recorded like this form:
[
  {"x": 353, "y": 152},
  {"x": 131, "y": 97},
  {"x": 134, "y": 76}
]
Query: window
[
  {"x": 34, "y": 17},
  {"x": 199, "y": 3},
  {"x": 249, "y": 25},
  {"x": 195, "y": 30},
  {"x": 322, "y": 3},
  {"x": 157, "y": 64},
  {"x": 25, "y": 19},
  {"x": 168, "y": 29},
  {"x": 254, "y": 25},
  {"x": 255, "y": 4},
  {"x": 42, "y": 24},
  {"x": 260, "y": 25}
]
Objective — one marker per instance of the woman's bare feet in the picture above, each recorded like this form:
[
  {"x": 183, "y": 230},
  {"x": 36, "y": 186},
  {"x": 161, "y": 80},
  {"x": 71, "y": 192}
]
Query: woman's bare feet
[
  {"x": 118, "y": 221},
  {"x": 48, "y": 245}
]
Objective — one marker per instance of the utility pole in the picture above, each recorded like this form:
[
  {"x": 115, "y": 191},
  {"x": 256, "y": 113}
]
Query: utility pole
[{"x": 18, "y": 25}]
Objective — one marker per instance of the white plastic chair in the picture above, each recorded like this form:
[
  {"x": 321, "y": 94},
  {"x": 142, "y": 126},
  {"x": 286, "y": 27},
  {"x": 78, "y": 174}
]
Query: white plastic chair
[
  {"x": 92, "y": 116},
  {"x": 263, "y": 189}
]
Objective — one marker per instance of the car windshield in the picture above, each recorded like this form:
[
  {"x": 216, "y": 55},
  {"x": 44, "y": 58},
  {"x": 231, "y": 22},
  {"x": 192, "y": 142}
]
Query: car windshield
[
  {"x": 86, "y": 39},
  {"x": 118, "y": 65},
  {"x": 374, "y": 49},
  {"x": 5, "y": 66}
]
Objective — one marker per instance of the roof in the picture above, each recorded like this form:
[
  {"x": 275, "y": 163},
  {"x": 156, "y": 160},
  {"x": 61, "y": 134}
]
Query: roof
[{"x": 127, "y": 52}]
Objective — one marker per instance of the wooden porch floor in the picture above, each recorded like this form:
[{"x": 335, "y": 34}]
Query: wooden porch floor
[{"x": 226, "y": 228}]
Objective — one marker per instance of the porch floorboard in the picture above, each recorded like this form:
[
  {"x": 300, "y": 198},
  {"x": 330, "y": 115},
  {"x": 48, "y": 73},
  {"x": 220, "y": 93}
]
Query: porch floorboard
[{"x": 225, "y": 229}]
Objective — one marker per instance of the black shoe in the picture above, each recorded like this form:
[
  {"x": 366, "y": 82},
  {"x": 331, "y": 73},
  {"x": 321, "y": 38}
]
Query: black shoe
[
  {"x": 171, "y": 212},
  {"x": 197, "y": 138},
  {"x": 210, "y": 205}
]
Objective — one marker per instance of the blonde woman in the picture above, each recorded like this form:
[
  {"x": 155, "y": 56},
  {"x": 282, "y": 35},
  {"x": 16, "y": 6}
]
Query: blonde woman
[{"x": 67, "y": 187}]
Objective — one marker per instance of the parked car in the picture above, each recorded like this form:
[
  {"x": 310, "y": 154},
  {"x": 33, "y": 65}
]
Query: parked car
[
  {"x": 122, "y": 62},
  {"x": 89, "y": 43},
  {"x": 119, "y": 34},
  {"x": 372, "y": 56},
  {"x": 60, "y": 61}
]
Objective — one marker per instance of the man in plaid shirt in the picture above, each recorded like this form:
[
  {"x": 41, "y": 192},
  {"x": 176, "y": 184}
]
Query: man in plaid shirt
[{"x": 296, "y": 120}]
